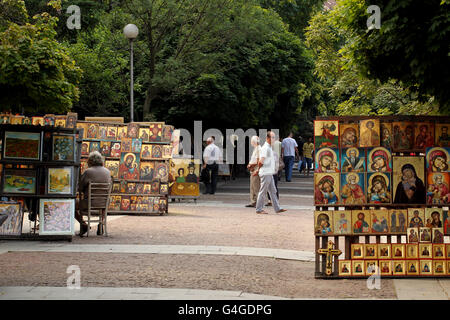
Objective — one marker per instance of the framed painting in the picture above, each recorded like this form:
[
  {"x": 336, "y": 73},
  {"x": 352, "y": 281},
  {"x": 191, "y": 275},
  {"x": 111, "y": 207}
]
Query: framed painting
[
  {"x": 11, "y": 218},
  {"x": 184, "y": 178},
  {"x": 386, "y": 134},
  {"x": 438, "y": 188},
  {"x": 326, "y": 188},
  {"x": 144, "y": 134},
  {"x": 342, "y": 222},
  {"x": 403, "y": 136},
  {"x": 125, "y": 204},
  {"x": 146, "y": 152},
  {"x": 412, "y": 267},
  {"x": 147, "y": 189},
  {"x": 439, "y": 268},
  {"x": 103, "y": 132},
  {"x": 27, "y": 120},
  {"x": 412, "y": 251},
  {"x": 408, "y": 180},
  {"x": 147, "y": 170},
  {"x": 115, "y": 149},
  {"x": 161, "y": 171},
  {"x": 380, "y": 221},
  {"x": 398, "y": 251},
  {"x": 133, "y": 130},
  {"x": 127, "y": 145},
  {"x": 361, "y": 221},
  {"x": 437, "y": 235},
  {"x": 16, "y": 119},
  {"x": 139, "y": 188},
  {"x": 439, "y": 251},
  {"x": 83, "y": 126},
  {"x": 358, "y": 268},
  {"x": 116, "y": 187},
  {"x": 446, "y": 223},
  {"x": 438, "y": 159},
  {"x": 136, "y": 145},
  {"x": 433, "y": 217},
  {"x": 71, "y": 120},
  {"x": 353, "y": 188},
  {"x": 357, "y": 251},
  {"x": 385, "y": 268},
  {"x": 162, "y": 205},
  {"x": 447, "y": 251},
  {"x": 398, "y": 220},
  {"x": 85, "y": 148},
  {"x": 131, "y": 187},
  {"x": 424, "y": 235},
  {"x": 156, "y": 131},
  {"x": 352, "y": 160},
  {"x": 83, "y": 165},
  {"x": 379, "y": 188},
  {"x": 399, "y": 267},
  {"x": 112, "y": 133},
  {"x": 155, "y": 186},
  {"x": 22, "y": 145},
  {"x": 122, "y": 133},
  {"x": 63, "y": 147},
  {"x": 16, "y": 181},
  {"x": 49, "y": 119},
  {"x": 123, "y": 186},
  {"x": 114, "y": 204},
  {"x": 425, "y": 251},
  {"x": 323, "y": 225},
  {"x": 37, "y": 121},
  {"x": 60, "y": 180},
  {"x": 369, "y": 133},
  {"x": 113, "y": 167},
  {"x": 384, "y": 251},
  {"x": 345, "y": 268},
  {"x": 167, "y": 133},
  {"x": 379, "y": 160},
  {"x": 416, "y": 217},
  {"x": 163, "y": 188},
  {"x": 92, "y": 131},
  {"x": 105, "y": 148},
  {"x": 442, "y": 134},
  {"x": 167, "y": 152},
  {"x": 426, "y": 267},
  {"x": 370, "y": 251},
  {"x": 129, "y": 166},
  {"x": 448, "y": 268},
  {"x": 326, "y": 134},
  {"x": 156, "y": 152},
  {"x": 56, "y": 216},
  {"x": 371, "y": 267},
  {"x": 413, "y": 235},
  {"x": 155, "y": 205},
  {"x": 424, "y": 135},
  {"x": 349, "y": 134},
  {"x": 60, "y": 121},
  {"x": 94, "y": 146}
]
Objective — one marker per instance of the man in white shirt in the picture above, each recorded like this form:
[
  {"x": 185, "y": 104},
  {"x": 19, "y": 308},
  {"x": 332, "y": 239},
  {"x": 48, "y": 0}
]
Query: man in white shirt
[
  {"x": 254, "y": 174},
  {"x": 266, "y": 172},
  {"x": 289, "y": 149},
  {"x": 212, "y": 156}
]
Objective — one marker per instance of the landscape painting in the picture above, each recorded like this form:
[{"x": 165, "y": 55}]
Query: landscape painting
[
  {"x": 19, "y": 181},
  {"x": 22, "y": 145},
  {"x": 59, "y": 180}
]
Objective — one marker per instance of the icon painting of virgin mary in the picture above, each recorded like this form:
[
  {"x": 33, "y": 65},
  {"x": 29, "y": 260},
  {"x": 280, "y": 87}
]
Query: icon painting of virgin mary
[{"x": 327, "y": 160}]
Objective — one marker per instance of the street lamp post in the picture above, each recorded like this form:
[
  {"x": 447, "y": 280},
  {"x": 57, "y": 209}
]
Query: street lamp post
[{"x": 131, "y": 32}]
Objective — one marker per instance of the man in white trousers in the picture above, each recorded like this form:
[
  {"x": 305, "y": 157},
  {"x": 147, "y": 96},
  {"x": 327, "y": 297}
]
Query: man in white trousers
[{"x": 266, "y": 172}]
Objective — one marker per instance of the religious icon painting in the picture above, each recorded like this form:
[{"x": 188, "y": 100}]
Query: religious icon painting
[
  {"x": 384, "y": 251},
  {"x": 386, "y": 134},
  {"x": 116, "y": 187},
  {"x": 326, "y": 134},
  {"x": 426, "y": 267},
  {"x": 369, "y": 133},
  {"x": 156, "y": 132},
  {"x": 361, "y": 221},
  {"x": 326, "y": 188},
  {"x": 147, "y": 170},
  {"x": 379, "y": 160},
  {"x": 399, "y": 267},
  {"x": 357, "y": 251},
  {"x": 385, "y": 268},
  {"x": 358, "y": 268},
  {"x": 349, "y": 134},
  {"x": 342, "y": 222},
  {"x": 83, "y": 165},
  {"x": 323, "y": 223},
  {"x": 398, "y": 251},
  {"x": 437, "y": 235},
  {"x": 136, "y": 145},
  {"x": 146, "y": 189},
  {"x": 60, "y": 121},
  {"x": 102, "y": 132},
  {"x": 16, "y": 119},
  {"x": 92, "y": 131},
  {"x": 398, "y": 220},
  {"x": 49, "y": 119},
  {"x": 139, "y": 188},
  {"x": 155, "y": 206},
  {"x": 425, "y": 251},
  {"x": 162, "y": 205},
  {"x": 156, "y": 152},
  {"x": 126, "y": 145},
  {"x": 380, "y": 221},
  {"x": 439, "y": 268},
  {"x": 408, "y": 180},
  {"x": 439, "y": 251},
  {"x": 122, "y": 132},
  {"x": 161, "y": 171},
  {"x": 12, "y": 219},
  {"x": 105, "y": 148},
  {"x": 133, "y": 202},
  {"x": 438, "y": 188},
  {"x": 424, "y": 235},
  {"x": 133, "y": 130},
  {"x": 448, "y": 267},
  {"x": 144, "y": 134},
  {"x": 353, "y": 188},
  {"x": 345, "y": 268},
  {"x": 94, "y": 146},
  {"x": 447, "y": 251},
  {"x": 438, "y": 159},
  {"x": 353, "y": 160},
  {"x": 167, "y": 152},
  {"x": 416, "y": 217},
  {"x": 155, "y": 187},
  {"x": 129, "y": 166},
  {"x": 125, "y": 204},
  {"x": 378, "y": 188},
  {"x": 123, "y": 186},
  {"x": 112, "y": 133},
  {"x": 167, "y": 133},
  {"x": 412, "y": 267},
  {"x": 371, "y": 267},
  {"x": 113, "y": 167},
  {"x": 433, "y": 217},
  {"x": 424, "y": 135},
  {"x": 370, "y": 251},
  {"x": 37, "y": 121},
  {"x": 71, "y": 120},
  {"x": 413, "y": 235},
  {"x": 403, "y": 136},
  {"x": 146, "y": 152},
  {"x": 442, "y": 134},
  {"x": 116, "y": 202},
  {"x": 163, "y": 188},
  {"x": 412, "y": 251},
  {"x": 83, "y": 126},
  {"x": 327, "y": 160},
  {"x": 446, "y": 223},
  {"x": 115, "y": 149}
]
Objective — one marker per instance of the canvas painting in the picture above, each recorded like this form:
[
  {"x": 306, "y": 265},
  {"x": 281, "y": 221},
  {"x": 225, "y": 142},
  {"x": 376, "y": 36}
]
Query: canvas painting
[
  {"x": 156, "y": 132},
  {"x": 379, "y": 160},
  {"x": 438, "y": 251},
  {"x": 380, "y": 221},
  {"x": 379, "y": 188},
  {"x": 447, "y": 251},
  {"x": 83, "y": 126},
  {"x": 49, "y": 119},
  {"x": 353, "y": 188},
  {"x": 71, "y": 120},
  {"x": 369, "y": 133},
  {"x": 161, "y": 171},
  {"x": 112, "y": 133},
  {"x": 105, "y": 148},
  {"x": 92, "y": 131},
  {"x": 342, "y": 222},
  {"x": 125, "y": 204},
  {"x": 361, "y": 221},
  {"x": 358, "y": 268},
  {"x": 438, "y": 159},
  {"x": 155, "y": 187},
  {"x": 127, "y": 145},
  {"x": 434, "y": 217},
  {"x": 37, "y": 121},
  {"x": 412, "y": 267},
  {"x": 56, "y": 216},
  {"x": 437, "y": 235},
  {"x": 438, "y": 188},
  {"x": 426, "y": 267},
  {"x": 167, "y": 152},
  {"x": 146, "y": 189},
  {"x": 115, "y": 149},
  {"x": 103, "y": 132},
  {"x": 384, "y": 251},
  {"x": 167, "y": 133},
  {"x": 156, "y": 152},
  {"x": 357, "y": 251},
  {"x": 114, "y": 204},
  {"x": 408, "y": 180},
  {"x": 136, "y": 145},
  {"x": 424, "y": 135},
  {"x": 163, "y": 188},
  {"x": 412, "y": 251},
  {"x": 413, "y": 235},
  {"x": 327, "y": 160},
  {"x": 19, "y": 181},
  {"x": 345, "y": 267},
  {"x": 133, "y": 130},
  {"x": 439, "y": 268},
  {"x": 446, "y": 219},
  {"x": 385, "y": 268},
  {"x": 63, "y": 147},
  {"x": 425, "y": 235},
  {"x": 425, "y": 251},
  {"x": 403, "y": 136},
  {"x": 83, "y": 166},
  {"x": 60, "y": 121},
  {"x": 4, "y": 118},
  {"x": 59, "y": 180},
  {"x": 442, "y": 135},
  {"x": 113, "y": 167},
  {"x": 131, "y": 187},
  {"x": 399, "y": 267},
  {"x": 326, "y": 134},
  {"x": 147, "y": 170},
  {"x": 416, "y": 217},
  {"x": 353, "y": 160},
  {"x": 144, "y": 134},
  {"x": 184, "y": 177},
  {"x": 146, "y": 153},
  {"x": 371, "y": 267},
  {"x": 94, "y": 146},
  {"x": 116, "y": 187},
  {"x": 22, "y": 145},
  {"x": 323, "y": 223},
  {"x": 326, "y": 188},
  {"x": 349, "y": 134},
  {"x": 370, "y": 251},
  {"x": 85, "y": 148},
  {"x": 122, "y": 133},
  {"x": 11, "y": 217},
  {"x": 398, "y": 251},
  {"x": 16, "y": 119},
  {"x": 386, "y": 134},
  {"x": 129, "y": 166}
]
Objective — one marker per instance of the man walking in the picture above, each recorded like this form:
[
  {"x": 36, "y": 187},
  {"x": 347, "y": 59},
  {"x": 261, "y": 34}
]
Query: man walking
[
  {"x": 211, "y": 158},
  {"x": 289, "y": 149},
  {"x": 266, "y": 172},
  {"x": 308, "y": 148}
]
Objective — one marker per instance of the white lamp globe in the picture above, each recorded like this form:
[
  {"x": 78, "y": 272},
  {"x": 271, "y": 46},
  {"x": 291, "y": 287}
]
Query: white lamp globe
[{"x": 131, "y": 31}]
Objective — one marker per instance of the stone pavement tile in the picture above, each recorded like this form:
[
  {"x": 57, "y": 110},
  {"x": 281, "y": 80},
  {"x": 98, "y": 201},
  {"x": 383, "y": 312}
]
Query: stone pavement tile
[
  {"x": 445, "y": 284},
  {"x": 419, "y": 289},
  {"x": 218, "y": 293}
]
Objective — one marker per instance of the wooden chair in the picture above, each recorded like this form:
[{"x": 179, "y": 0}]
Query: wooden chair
[{"x": 100, "y": 192}]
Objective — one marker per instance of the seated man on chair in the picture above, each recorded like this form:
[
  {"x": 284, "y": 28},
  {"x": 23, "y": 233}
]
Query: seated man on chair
[{"x": 96, "y": 173}]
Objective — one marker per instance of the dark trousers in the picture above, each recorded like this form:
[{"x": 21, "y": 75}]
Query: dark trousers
[
  {"x": 288, "y": 165},
  {"x": 212, "y": 170}
]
